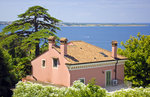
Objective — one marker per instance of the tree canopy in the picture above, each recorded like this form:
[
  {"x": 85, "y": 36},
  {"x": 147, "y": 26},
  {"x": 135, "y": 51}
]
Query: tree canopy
[
  {"x": 26, "y": 38},
  {"x": 33, "y": 26},
  {"x": 137, "y": 68},
  {"x": 5, "y": 76}
]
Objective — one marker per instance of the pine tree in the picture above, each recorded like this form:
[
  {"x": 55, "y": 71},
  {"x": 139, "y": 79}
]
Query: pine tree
[
  {"x": 33, "y": 26},
  {"x": 23, "y": 37}
]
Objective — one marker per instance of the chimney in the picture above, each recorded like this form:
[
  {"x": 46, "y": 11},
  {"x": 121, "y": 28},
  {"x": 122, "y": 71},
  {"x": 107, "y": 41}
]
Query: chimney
[
  {"x": 114, "y": 49},
  {"x": 63, "y": 46},
  {"x": 51, "y": 42}
]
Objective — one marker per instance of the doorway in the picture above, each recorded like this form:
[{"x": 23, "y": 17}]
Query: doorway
[{"x": 108, "y": 78}]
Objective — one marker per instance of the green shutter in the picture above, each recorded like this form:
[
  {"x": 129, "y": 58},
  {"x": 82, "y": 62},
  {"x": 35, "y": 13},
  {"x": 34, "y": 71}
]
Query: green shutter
[{"x": 108, "y": 78}]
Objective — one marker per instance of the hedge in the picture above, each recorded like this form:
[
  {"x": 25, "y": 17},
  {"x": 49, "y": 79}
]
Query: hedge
[{"x": 28, "y": 89}]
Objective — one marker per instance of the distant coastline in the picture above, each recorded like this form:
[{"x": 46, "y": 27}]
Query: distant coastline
[
  {"x": 5, "y": 22},
  {"x": 101, "y": 25},
  {"x": 90, "y": 24}
]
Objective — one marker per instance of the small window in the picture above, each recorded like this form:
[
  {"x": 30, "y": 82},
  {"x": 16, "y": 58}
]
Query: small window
[
  {"x": 43, "y": 63},
  {"x": 82, "y": 80},
  {"x": 55, "y": 62}
]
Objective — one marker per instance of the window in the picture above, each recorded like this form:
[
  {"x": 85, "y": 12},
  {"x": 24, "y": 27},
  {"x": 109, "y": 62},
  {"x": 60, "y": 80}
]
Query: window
[
  {"x": 108, "y": 77},
  {"x": 55, "y": 62},
  {"x": 82, "y": 80},
  {"x": 43, "y": 63}
]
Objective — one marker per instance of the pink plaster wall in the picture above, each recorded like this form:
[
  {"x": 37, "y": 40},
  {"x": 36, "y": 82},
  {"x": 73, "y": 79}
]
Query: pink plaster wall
[
  {"x": 59, "y": 75},
  {"x": 62, "y": 76},
  {"x": 97, "y": 73}
]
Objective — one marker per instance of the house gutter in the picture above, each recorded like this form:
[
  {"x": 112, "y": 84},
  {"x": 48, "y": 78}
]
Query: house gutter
[{"x": 94, "y": 65}]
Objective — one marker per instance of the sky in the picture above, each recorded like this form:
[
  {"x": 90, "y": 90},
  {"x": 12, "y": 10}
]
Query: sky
[{"x": 82, "y": 11}]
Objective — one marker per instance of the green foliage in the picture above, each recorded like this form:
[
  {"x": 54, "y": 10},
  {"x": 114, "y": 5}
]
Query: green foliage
[
  {"x": 28, "y": 89},
  {"x": 33, "y": 26},
  {"x": 136, "y": 92},
  {"x": 19, "y": 58},
  {"x": 137, "y": 68},
  {"x": 95, "y": 90},
  {"x": 36, "y": 90},
  {"x": 21, "y": 39},
  {"x": 5, "y": 76},
  {"x": 22, "y": 68}
]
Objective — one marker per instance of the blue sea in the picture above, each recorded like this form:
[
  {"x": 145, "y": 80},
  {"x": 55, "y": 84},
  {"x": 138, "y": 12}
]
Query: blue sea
[{"x": 101, "y": 36}]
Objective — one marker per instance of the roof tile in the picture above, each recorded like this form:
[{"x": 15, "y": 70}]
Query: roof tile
[{"x": 82, "y": 52}]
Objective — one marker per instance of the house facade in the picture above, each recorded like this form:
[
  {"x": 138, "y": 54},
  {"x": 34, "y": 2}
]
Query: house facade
[{"x": 78, "y": 60}]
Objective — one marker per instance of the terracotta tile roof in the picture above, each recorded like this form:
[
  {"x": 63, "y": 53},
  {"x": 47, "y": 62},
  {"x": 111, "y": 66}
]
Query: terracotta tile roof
[{"x": 82, "y": 52}]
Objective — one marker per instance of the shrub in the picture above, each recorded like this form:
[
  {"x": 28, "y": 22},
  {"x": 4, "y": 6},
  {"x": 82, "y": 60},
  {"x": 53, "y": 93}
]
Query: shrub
[
  {"x": 28, "y": 89},
  {"x": 135, "y": 92}
]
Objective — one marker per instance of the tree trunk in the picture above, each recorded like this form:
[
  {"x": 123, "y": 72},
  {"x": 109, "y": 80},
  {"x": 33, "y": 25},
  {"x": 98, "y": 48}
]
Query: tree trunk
[{"x": 37, "y": 49}]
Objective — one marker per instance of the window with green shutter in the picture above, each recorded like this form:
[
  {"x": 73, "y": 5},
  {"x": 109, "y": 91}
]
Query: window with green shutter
[{"x": 108, "y": 78}]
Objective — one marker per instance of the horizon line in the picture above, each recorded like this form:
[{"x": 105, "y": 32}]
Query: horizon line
[{"x": 95, "y": 23}]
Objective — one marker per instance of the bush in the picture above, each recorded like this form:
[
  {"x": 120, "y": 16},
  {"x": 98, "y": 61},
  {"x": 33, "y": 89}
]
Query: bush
[
  {"x": 28, "y": 89},
  {"x": 136, "y": 92}
]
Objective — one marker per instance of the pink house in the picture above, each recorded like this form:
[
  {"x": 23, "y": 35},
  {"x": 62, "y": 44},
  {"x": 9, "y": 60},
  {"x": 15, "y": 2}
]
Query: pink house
[{"x": 78, "y": 60}]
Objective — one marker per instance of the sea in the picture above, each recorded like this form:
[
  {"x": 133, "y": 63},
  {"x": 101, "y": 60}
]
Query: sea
[{"x": 101, "y": 36}]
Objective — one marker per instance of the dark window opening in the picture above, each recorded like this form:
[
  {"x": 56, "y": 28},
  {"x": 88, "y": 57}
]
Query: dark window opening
[
  {"x": 82, "y": 80},
  {"x": 55, "y": 62},
  {"x": 43, "y": 63}
]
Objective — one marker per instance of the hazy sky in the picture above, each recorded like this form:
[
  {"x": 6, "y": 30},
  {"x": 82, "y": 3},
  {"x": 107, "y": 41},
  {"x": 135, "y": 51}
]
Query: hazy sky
[{"x": 87, "y": 11}]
